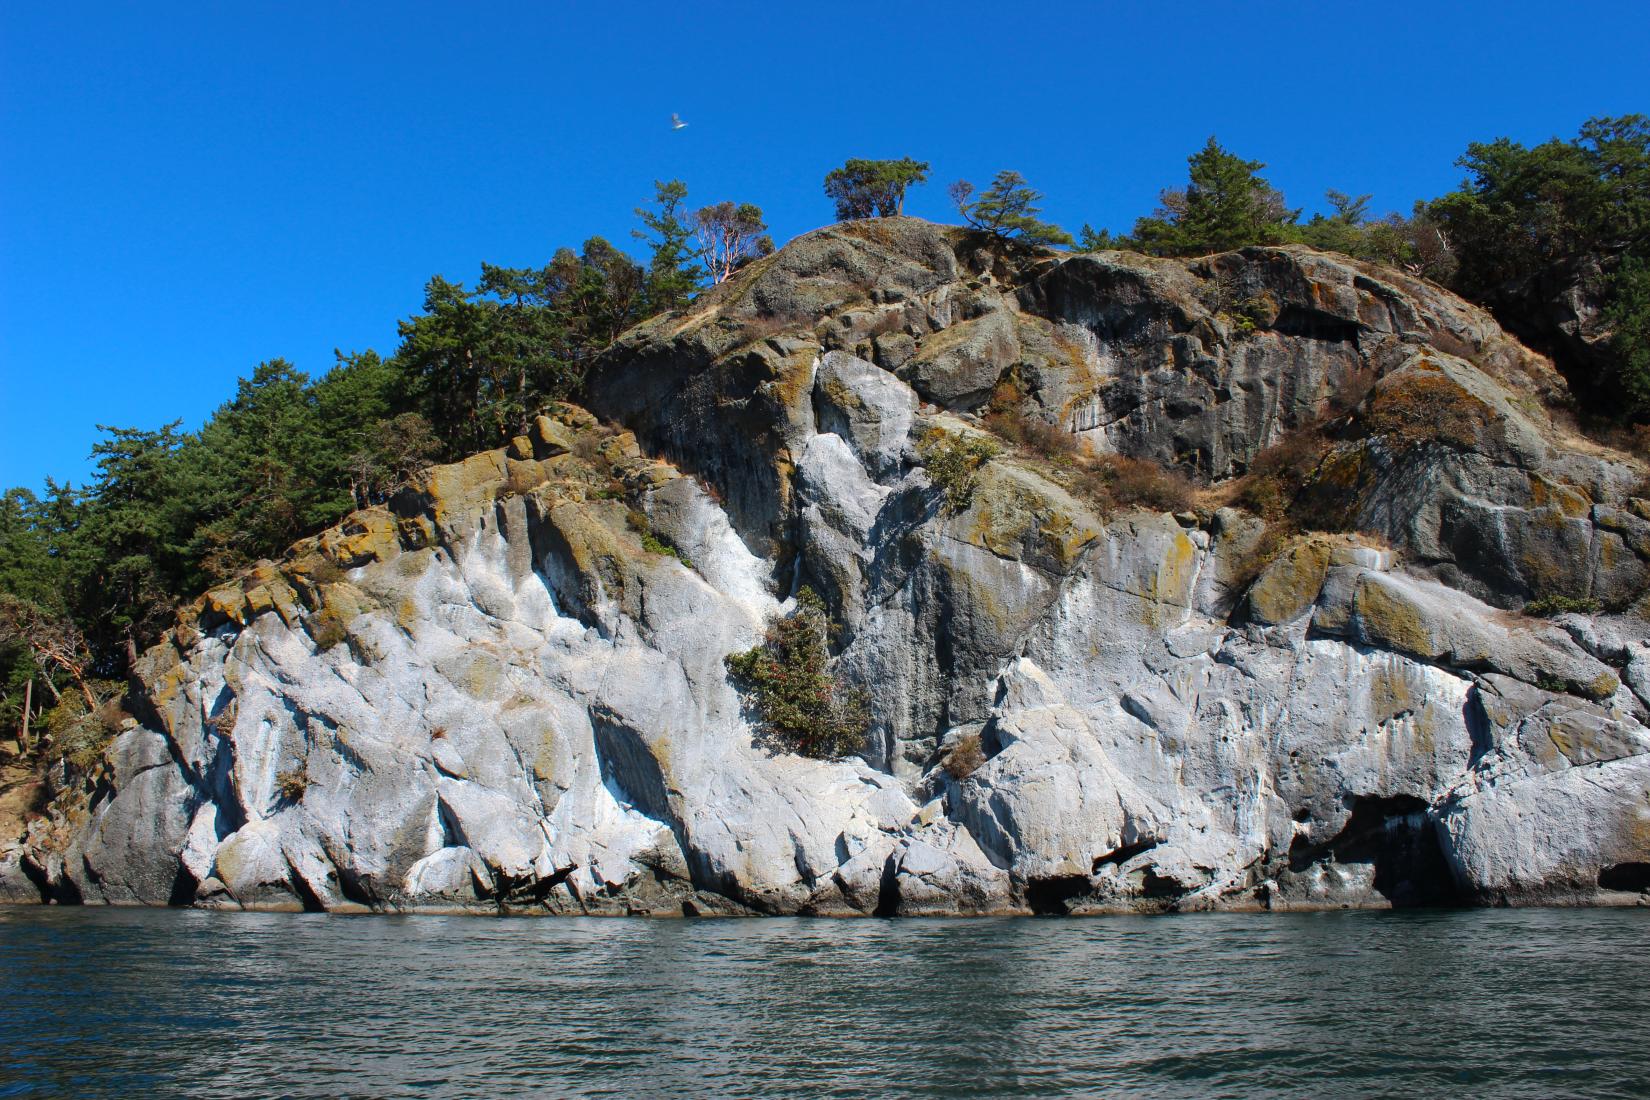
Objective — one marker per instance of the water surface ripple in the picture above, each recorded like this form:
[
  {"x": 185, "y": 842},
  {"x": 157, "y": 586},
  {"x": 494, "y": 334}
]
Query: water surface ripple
[{"x": 1538, "y": 1003}]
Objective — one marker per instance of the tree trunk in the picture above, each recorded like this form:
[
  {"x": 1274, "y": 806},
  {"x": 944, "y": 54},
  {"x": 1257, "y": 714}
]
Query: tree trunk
[{"x": 28, "y": 702}]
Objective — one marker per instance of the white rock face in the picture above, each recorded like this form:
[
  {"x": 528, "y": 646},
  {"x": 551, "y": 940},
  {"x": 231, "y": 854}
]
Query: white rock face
[{"x": 507, "y": 701}]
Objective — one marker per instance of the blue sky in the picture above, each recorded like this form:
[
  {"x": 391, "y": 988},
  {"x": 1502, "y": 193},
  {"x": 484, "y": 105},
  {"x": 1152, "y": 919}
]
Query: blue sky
[{"x": 186, "y": 190}]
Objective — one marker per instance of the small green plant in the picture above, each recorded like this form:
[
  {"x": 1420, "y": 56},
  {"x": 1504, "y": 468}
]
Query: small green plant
[
  {"x": 291, "y": 784},
  {"x": 952, "y": 462},
  {"x": 804, "y": 708},
  {"x": 1555, "y": 684},
  {"x": 1547, "y": 606},
  {"x": 651, "y": 542}
]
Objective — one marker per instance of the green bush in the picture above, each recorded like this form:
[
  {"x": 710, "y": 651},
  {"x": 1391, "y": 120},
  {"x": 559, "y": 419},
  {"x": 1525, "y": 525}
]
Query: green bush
[
  {"x": 78, "y": 735},
  {"x": 1547, "y": 606},
  {"x": 327, "y": 628},
  {"x": 803, "y": 707},
  {"x": 952, "y": 462}
]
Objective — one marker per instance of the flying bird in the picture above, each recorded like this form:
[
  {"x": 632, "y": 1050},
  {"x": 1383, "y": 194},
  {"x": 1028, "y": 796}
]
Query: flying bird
[{"x": 676, "y": 122}]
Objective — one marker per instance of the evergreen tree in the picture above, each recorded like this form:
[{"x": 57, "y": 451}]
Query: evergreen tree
[
  {"x": 122, "y": 565},
  {"x": 873, "y": 188},
  {"x": 1225, "y": 205},
  {"x": 1008, "y": 210},
  {"x": 1090, "y": 239},
  {"x": 1629, "y": 316},
  {"x": 672, "y": 279},
  {"x": 1522, "y": 209}
]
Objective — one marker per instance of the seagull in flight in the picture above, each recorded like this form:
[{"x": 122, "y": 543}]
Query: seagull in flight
[{"x": 676, "y": 122}]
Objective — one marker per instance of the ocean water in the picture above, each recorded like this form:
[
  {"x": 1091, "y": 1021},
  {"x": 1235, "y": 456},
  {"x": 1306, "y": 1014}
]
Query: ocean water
[{"x": 1537, "y": 1003}]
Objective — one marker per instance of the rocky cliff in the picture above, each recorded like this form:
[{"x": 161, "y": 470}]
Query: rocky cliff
[{"x": 1310, "y": 685}]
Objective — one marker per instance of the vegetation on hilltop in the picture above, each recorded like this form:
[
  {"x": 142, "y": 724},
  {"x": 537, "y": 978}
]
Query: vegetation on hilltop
[
  {"x": 873, "y": 188},
  {"x": 1007, "y": 210}
]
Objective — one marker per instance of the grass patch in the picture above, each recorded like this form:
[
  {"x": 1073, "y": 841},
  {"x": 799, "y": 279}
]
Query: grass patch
[
  {"x": 1033, "y": 434},
  {"x": 1428, "y": 407}
]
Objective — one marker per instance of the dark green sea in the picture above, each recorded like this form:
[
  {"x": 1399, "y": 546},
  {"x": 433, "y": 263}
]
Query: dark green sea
[{"x": 1536, "y": 1003}]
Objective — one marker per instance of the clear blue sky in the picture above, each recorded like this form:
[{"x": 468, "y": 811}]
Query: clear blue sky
[{"x": 188, "y": 189}]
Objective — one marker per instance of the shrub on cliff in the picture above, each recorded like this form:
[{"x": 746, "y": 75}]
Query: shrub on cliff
[
  {"x": 803, "y": 707},
  {"x": 952, "y": 462}
]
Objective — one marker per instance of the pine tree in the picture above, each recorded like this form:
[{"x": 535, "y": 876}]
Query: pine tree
[
  {"x": 672, "y": 279},
  {"x": 1007, "y": 209},
  {"x": 873, "y": 188},
  {"x": 1225, "y": 205}
]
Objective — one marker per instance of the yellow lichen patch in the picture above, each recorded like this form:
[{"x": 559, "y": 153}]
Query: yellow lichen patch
[
  {"x": 345, "y": 599},
  {"x": 793, "y": 378},
  {"x": 163, "y": 675},
  {"x": 481, "y": 676},
  {"x": 550, "y": 438},
  {"x": 1064, "y": 538},
  {"x": 462, "y": 488},
  {"x": 1389, "y": 692},
  {"x": 407, "y": 613},
  {"x": 258, "y": 600},
  {"x": 1601, "y": 687},
  {"x": 841, "y": 395},
  {"x": 1567, "y": 500},
  {"x": 416, "y": 532},
  {"x": 522, "y": 476},
  {"x": 1392, "y": 621},
  {"x": 228, "y": 600},
  {"x": 368, "y": 535},
  {"x": 1016, "y": 514},
  {"x": 1289, "y": 586},
  {"x": 619, "y": 448},
  {"x": 1000, "y": 521},
  {"x": 1172, "y": 582}
]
